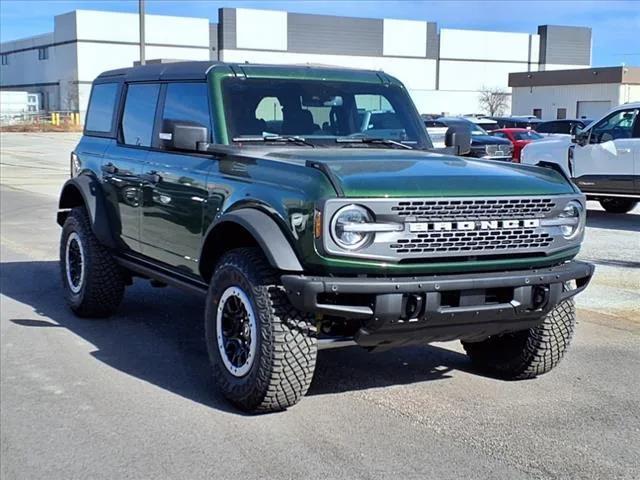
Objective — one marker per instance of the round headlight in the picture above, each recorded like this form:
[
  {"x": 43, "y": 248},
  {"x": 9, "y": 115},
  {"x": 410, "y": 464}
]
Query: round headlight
[
  {"x": 573, "y": 212},
  {"x": 344, "y": 227}
]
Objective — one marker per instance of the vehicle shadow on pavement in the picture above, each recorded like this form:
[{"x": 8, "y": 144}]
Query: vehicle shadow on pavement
[
  {"x": 158, "y": 336},
  {"x": 613, "y": 221}
]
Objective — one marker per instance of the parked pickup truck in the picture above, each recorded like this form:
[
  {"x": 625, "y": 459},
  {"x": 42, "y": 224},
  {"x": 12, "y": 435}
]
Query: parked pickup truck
[
  {"x": 603, "y": 159},
  {"x": 302, "y": 228}
]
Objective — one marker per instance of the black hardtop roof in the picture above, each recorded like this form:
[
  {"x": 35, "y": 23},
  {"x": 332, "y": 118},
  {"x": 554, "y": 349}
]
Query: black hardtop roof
[{"x": 198, "y": 70}]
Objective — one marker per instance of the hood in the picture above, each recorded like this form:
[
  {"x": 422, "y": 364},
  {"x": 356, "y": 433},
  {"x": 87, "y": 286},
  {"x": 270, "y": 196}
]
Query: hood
[
  {"x": 488, "y": 140},
  {"x": 406, "y": 173}
]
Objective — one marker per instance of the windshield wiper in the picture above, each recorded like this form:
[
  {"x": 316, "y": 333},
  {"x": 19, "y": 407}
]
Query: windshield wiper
[
  {"x": 373, "y": 140},
  {"x": 276, "y": 138}
]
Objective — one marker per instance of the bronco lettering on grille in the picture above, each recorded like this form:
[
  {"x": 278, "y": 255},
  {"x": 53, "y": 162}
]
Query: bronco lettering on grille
[{"x": 472, "y": 225}]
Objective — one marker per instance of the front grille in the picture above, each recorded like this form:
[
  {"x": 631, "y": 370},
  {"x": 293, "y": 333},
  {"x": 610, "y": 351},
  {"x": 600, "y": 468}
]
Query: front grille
[
  {"x": 476, "y": 241},
  {"x": 498, "y": 150},
  {"x": 475, "y": 209},
  {"x": 467, "y": 228}
]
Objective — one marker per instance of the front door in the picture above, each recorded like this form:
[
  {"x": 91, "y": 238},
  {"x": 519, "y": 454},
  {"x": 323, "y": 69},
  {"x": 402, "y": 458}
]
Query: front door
[
  {"x": 606, "y": 163},
  {"x": 174, "y": 183}
]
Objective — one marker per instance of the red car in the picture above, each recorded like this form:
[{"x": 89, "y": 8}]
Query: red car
[{"x": 519, "y": 137}]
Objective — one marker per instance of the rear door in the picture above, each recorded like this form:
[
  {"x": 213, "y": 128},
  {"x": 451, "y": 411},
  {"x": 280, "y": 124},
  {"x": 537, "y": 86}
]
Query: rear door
[
  {"x": 124, "y": 159},
  {"x": 607, "y": 164},
  {"x": 174, "y": 182}
]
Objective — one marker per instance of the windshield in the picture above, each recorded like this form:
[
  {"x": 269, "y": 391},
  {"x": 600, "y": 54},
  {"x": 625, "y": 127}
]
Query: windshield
[
  {"x": 321, "y": 112},
  {"x": 529, "y": 135},
  {"x": 474, "y": 129}
]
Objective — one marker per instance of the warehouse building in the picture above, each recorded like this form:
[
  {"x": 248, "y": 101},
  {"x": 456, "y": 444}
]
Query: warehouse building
[
  {"x": 577, "y": 93},
  {"x": 444, "y": 69}
]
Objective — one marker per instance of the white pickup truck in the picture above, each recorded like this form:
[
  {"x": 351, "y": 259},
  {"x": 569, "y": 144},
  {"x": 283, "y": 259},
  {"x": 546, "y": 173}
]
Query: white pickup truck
[{"x": 603, "y": 159}]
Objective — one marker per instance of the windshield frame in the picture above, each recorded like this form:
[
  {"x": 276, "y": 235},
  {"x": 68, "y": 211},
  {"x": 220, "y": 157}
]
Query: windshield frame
[{"x": 402, "y": 103}]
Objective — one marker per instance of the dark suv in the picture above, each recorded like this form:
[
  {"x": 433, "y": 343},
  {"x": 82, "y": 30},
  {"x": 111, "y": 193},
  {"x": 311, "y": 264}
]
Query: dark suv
[{"x": 305, "y": 228}]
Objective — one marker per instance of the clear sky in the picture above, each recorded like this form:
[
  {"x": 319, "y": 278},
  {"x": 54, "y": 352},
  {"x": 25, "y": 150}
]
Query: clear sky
[{"x": 615, "y": 24}]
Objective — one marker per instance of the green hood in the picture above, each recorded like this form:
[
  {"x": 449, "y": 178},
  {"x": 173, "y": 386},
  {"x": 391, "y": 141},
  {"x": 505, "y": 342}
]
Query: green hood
[{"x": 405, "y": 173}]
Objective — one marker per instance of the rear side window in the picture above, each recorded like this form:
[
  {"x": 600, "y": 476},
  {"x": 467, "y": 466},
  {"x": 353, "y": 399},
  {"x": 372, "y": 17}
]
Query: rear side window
[
  {"x": 186, "y": 103},
  {"x": 139, "y": 114},
  {"x": 101, "y": 108}
]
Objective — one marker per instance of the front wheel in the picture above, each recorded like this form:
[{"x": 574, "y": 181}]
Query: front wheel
[
  {"x": 618, "y": 205},
  {"x": 527, "y": 353},
  {"x": 262, "y": 350}
]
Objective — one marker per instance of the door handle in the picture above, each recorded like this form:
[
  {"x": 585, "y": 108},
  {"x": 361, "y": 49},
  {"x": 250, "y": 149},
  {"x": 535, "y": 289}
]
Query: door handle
[
  {"x": 151, "y": 177},
  {"x": 624, "y": 150},
  {"x": 109, "y": 168}
]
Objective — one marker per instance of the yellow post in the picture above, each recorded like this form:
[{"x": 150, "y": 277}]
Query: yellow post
[{"x": 76, "y": 118}]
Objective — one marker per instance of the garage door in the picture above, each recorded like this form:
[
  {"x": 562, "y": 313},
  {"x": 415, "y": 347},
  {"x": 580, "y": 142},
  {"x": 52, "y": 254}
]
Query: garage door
[{"x": 593, "y": 109}]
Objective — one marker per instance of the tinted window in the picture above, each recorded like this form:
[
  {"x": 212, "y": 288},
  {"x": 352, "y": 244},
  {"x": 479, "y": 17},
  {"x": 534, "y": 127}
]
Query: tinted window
[
  {"x": 101, "y": 107},
  {"x": 617, "y": 125},
  {"x": 186, "y": 103},
  {"x": 547, "y": 127},
  {"x": 139, "y": 114},
  {"x": 499, "y": 135}
]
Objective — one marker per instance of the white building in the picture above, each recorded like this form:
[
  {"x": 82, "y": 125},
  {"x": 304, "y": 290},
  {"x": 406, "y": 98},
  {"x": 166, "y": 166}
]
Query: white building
[
  {"x": 61, "y": 65},
  {"x": 444, "y": 69},
  {"x": 583, "y": 93}
]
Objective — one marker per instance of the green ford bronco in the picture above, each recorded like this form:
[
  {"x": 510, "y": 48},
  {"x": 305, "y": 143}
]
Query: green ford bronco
[{"x": 310, "y": 209}]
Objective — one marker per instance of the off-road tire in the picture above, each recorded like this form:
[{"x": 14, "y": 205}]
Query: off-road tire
[
  {"x": 103, "y": 282},
  {"x": 285, "y": 358},
  {"x": 527, "y": 353},
  {"x": 618, "y": 205}
]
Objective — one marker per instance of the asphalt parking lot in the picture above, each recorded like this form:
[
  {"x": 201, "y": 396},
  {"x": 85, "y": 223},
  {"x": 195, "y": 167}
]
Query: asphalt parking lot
[{"x": 131, "y": 397}]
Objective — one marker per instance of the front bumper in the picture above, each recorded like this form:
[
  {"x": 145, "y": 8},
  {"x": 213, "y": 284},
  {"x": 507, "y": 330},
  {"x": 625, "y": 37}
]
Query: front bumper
[{"x": 421, "y": 309}]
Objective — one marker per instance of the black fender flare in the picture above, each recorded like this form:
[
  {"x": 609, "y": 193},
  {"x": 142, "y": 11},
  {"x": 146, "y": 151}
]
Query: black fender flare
[
  {"x": 264, "y": 230},
  {"x": 86, "y": 190}
]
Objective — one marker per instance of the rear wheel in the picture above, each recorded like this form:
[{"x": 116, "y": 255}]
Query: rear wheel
[
  {"x": 92, "y": 280},
  {"x": 527, "y": 353},
  {"x": 618, "y": 205},
  {"x": 262, "y": 350}
]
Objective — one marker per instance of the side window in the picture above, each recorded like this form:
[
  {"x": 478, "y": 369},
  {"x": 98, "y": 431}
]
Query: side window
[
  {"x": 268, "y": 116},
  {"x": 617, "y": 125},
  {"x": 376, "y": 113},
  {"x": 139, "y": 114},
  {"x": 186, "y": 103},
  {"x": 101, "y": 107}
]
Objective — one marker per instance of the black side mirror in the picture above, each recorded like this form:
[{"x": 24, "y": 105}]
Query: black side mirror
[
  {"x": 188, "y": 136},
  {"x": 459, "y": 138}
]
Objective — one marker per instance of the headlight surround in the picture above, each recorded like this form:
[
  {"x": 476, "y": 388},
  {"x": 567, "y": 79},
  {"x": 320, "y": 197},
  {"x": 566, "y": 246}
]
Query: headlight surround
[
  {"x": 351, "y": 214},
  {"x": 574, "y": 218}
]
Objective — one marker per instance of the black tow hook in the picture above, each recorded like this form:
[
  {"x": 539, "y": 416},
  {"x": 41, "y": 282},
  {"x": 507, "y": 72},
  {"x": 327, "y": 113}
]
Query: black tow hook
[{"x": 540, "y": 297}]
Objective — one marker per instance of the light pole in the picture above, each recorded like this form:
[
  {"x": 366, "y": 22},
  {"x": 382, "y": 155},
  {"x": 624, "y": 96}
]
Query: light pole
[{"x": 141, "y": 19}]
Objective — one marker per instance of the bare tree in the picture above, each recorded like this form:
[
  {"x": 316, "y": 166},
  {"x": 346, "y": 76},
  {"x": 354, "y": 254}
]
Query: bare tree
[{"x": 493, "y": 101}]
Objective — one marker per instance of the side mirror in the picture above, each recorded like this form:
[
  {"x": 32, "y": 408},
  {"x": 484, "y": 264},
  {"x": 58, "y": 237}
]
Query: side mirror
[
  {"x": 578, "y": 136},
  {"x": 188, "y": 136},
  {"x": 459, "y": 138}
]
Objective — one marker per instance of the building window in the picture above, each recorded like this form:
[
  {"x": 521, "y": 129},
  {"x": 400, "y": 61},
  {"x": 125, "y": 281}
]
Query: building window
[
  {"x": 43, "y": 53},
  {"x": 537, "y": 112},
  {"x": 561, "y": 114},
  {"x": 5, "y": 59}
]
